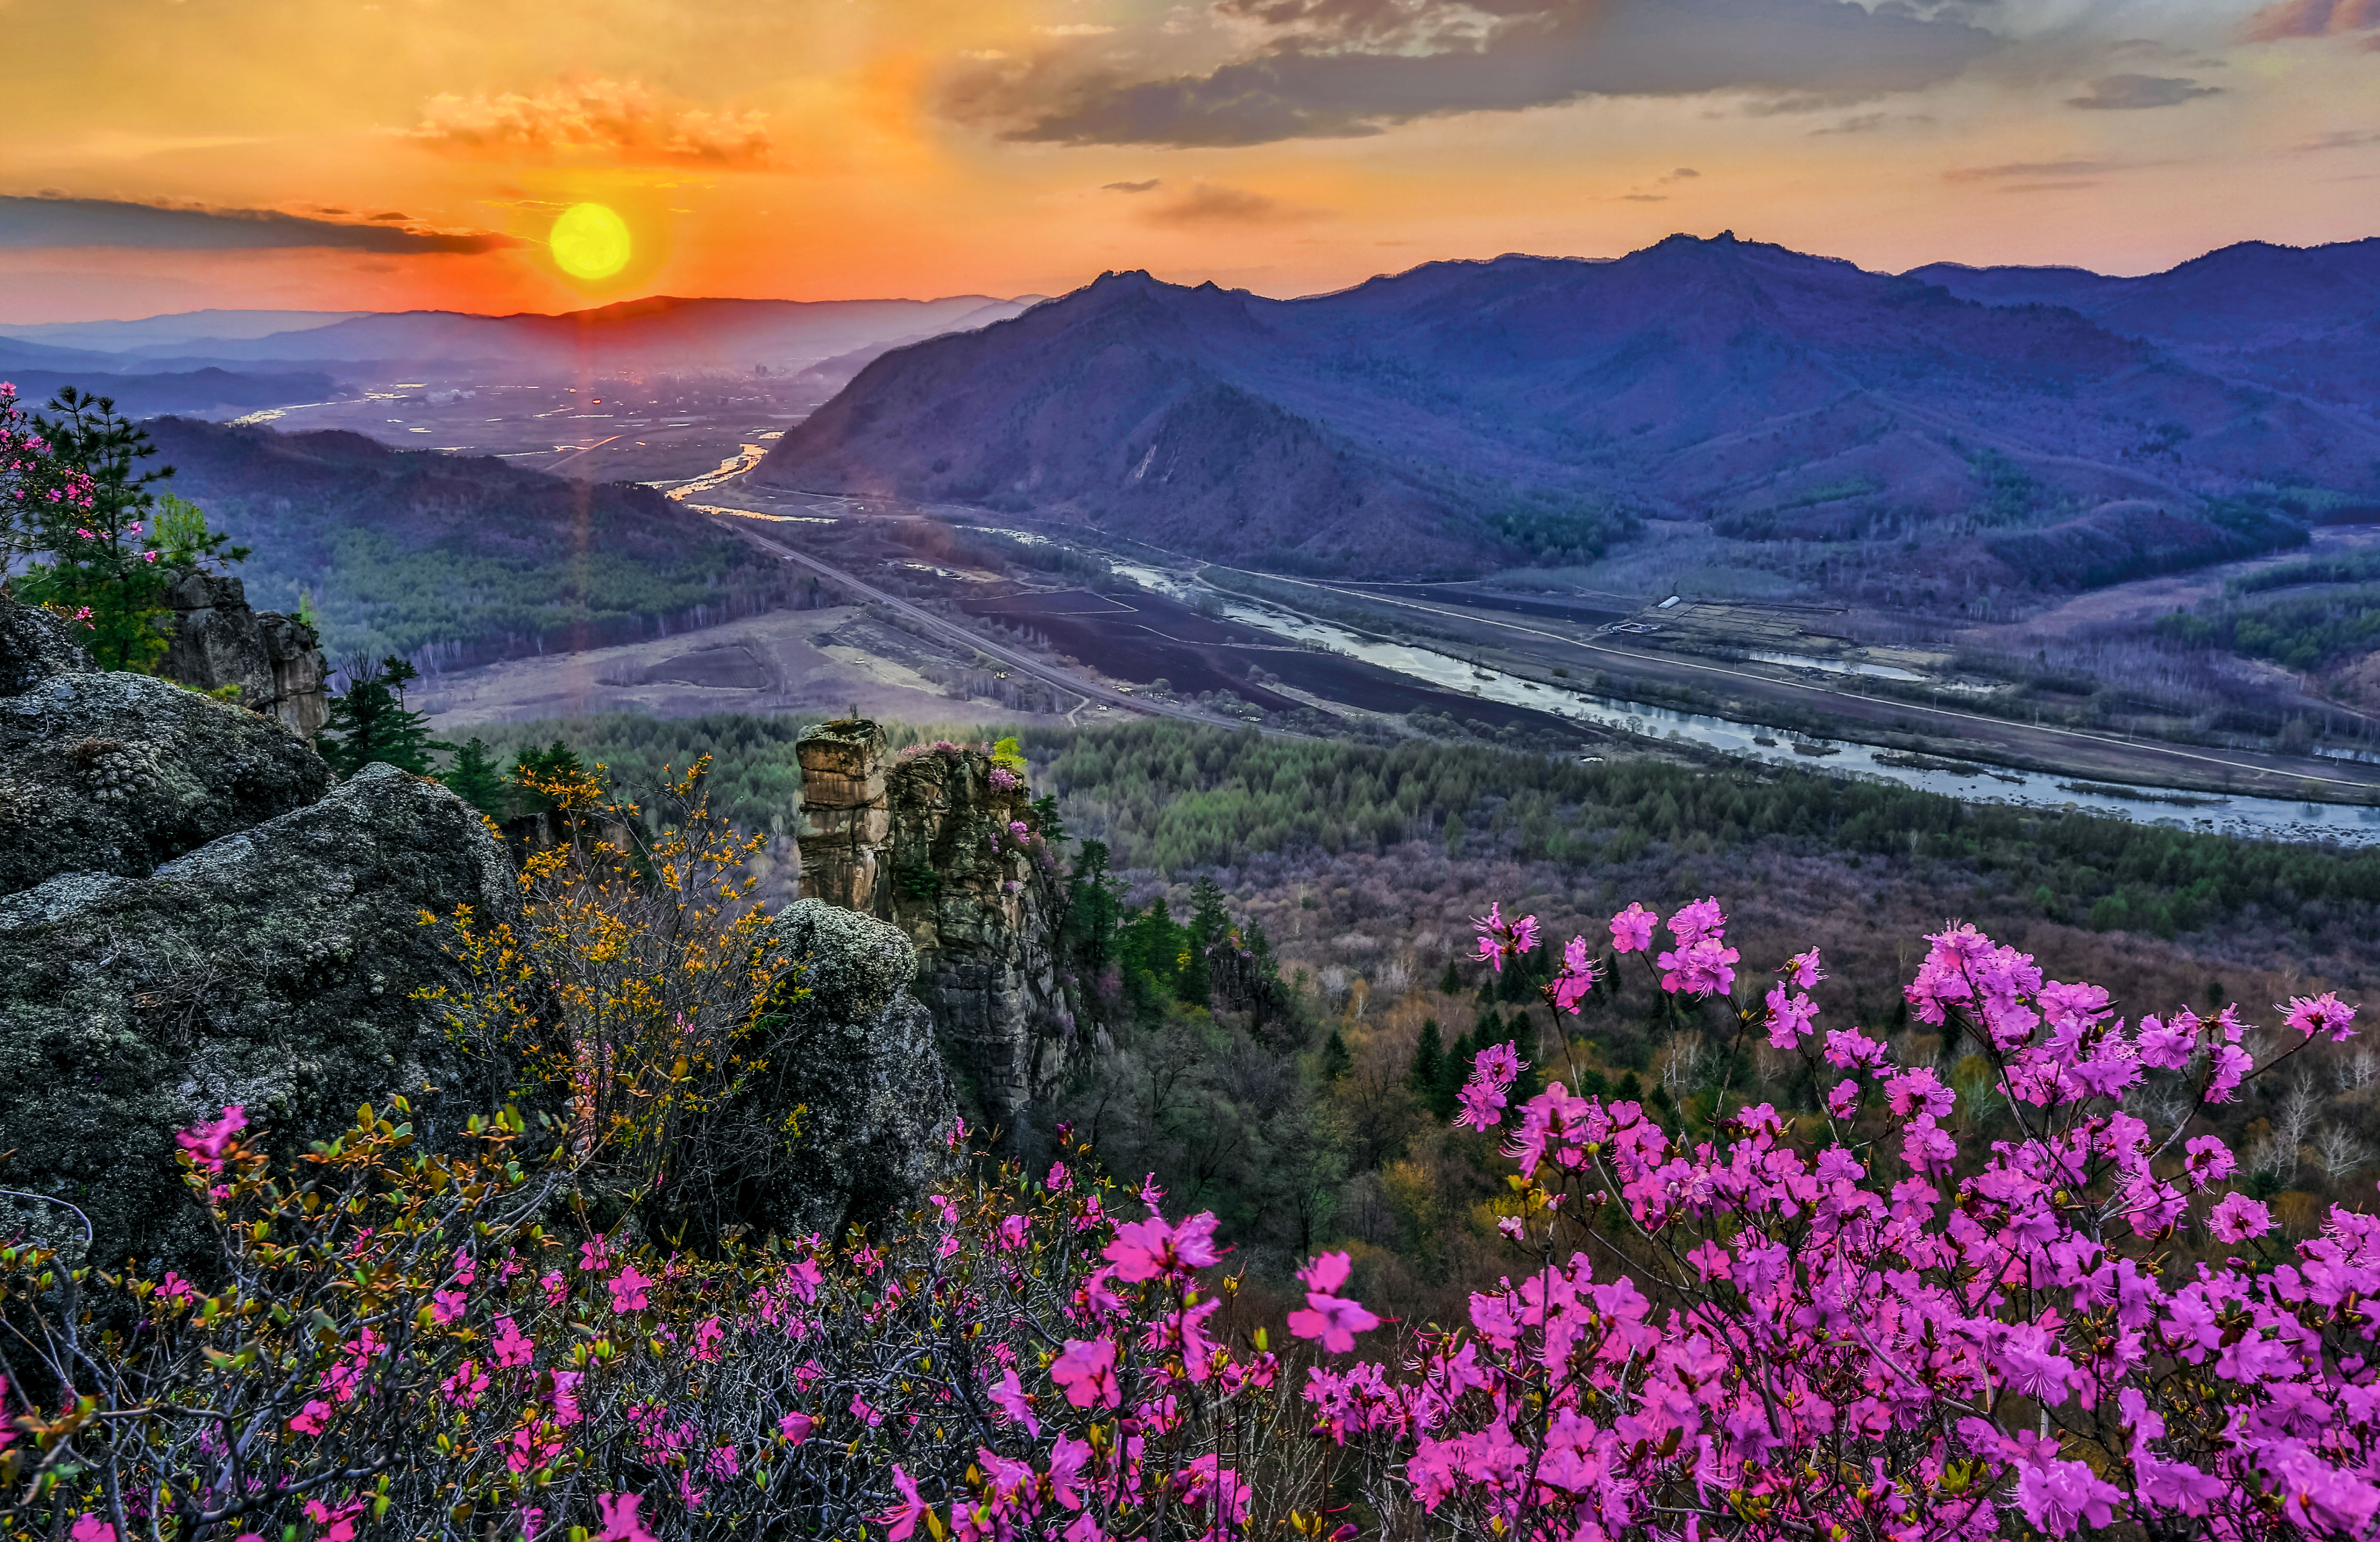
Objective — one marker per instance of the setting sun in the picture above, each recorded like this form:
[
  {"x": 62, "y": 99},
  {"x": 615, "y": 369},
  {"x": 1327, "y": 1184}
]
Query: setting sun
[{"x": 590, "y": 241}]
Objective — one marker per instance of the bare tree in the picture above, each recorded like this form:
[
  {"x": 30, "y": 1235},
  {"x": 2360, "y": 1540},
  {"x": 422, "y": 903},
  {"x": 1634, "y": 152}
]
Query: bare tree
[
  {"x": 2355, "y": 1072},
  {"x": 2340, "y": 1151},
  {"x": 2292, "y": 1124}
]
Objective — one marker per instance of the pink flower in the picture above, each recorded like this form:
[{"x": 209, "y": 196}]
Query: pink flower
[
  {"x": 1513, "y": 1227},
  {"x": 1480, "y": 1105},
  {"x": 207, "y": 1142},
  {"x": 617, "y": 1515},
  {"x": 557, "y": 1290},
  {"x": 1699, "y": 921},
  {"x": 2238, "y": 1218},
  {"x": 863, "y": 1413},
  {"x": 446, "y": 1305},
  {"x": 337, "y": 1521},
  {"x": 514, "y": 1347},
  {"x": 91, "y": 1529},
  {"x": 2323, "y": 1013},
  {"x": 1702, "y": 968},
  {"x": 2210, "y": 1161},
  {"x": 1008, "y": 1396},
  {"x": 2057, "y": 1496},
  {"x": 1501, "y": 940},
  {"x": 595, "y": 1255},
  {"x": 1328, "y": 1317},
  {"x": 1802, "y": 971},
  {"x": 796, "y": 1427},
  {"x": 1146, "y": 1249},
  {"x": 308, "y": 1420},
  {"x": 903, "y": 1518},
  {"x": 1086, "y": 1372},
  {"x": 629, "y": 1290},
  {"x": 463, "y": 1388},
  {"x": 1632, "y": 930},
  {"x": 707, "y": 1334}
]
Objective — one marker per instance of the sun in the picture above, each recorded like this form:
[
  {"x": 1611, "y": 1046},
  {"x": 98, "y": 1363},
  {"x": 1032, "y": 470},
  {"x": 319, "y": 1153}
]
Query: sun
[{"x": 590, "y": 241}]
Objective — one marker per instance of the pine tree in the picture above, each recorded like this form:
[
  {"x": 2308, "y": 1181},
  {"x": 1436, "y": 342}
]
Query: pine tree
[
  {"x": 368, "y": 722},
  {"x": 477, "y": 779},
  {"x": 1429, "y": 1055},
  {"x": 1450, "y": 983},
  {"x": 1452, "y": 1072},
  {"x": 556, "y": 763},
  {"x": 1209, "y": 921},
  {"x": 1336, "y": 1059}
]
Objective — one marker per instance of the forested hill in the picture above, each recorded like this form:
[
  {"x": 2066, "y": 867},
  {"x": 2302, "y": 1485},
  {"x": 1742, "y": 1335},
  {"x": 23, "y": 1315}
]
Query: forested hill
[
  {"x": 1467, "y": 415},
  {"x": 397, "y": 550}
]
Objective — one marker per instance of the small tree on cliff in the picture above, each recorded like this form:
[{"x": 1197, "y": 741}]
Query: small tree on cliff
[
  {"x": 112, "y": 558},
  {"x": 370, "y": 722}
]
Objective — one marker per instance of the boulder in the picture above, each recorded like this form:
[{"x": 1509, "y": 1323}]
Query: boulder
[
  {"x": 275, "y": 968},
  {"x": 855, "y": 1049},
  {"x": 35, "y": 644},
  {"x": 276, "y": 660}
]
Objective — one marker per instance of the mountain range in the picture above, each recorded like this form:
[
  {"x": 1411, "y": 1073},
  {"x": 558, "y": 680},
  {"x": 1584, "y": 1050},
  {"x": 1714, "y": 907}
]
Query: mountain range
[
  {"x": 2028, "y": 426},
  {"x": 662, "y": 332}
]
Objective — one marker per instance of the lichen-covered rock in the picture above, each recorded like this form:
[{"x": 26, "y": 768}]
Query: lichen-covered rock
[
  {"x": 218, "y": 639},
  {"x": 857, "y": 1050},
  {"x": 273, "y": 968},
  {"x": 844, "y": 818},
  {"x": 34, "y": 645},
  {"x": 110, "y": 773}
]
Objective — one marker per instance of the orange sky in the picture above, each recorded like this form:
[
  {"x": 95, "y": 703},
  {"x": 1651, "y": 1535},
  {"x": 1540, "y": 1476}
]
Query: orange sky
[{"x": 828, "y": 149}]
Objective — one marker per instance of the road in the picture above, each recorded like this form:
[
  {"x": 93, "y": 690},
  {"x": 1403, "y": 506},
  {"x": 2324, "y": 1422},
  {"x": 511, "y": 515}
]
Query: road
[
  {"x": 2136, "y": 755},
  {"x": 1092, "y": 692}
]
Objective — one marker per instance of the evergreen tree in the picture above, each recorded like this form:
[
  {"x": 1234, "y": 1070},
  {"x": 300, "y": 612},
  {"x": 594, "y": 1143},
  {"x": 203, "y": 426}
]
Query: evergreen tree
[
  {"x": 368, "y": 722},
  {"x": 556, "y": 763},
  {"x": 1454, "y": 835},
  {"x": 1336, "y": 1059},
  {"x": 1429, "y": 1055},
  {"x": 1209, "y": 922},
  {"x": 1450, "y": 983},
  {"x": 111, "y": 563},
  {"x": 1452, "y": 1072},
  {"x": 477, "y": 779},
  {"x": 1094, "y": 908}
]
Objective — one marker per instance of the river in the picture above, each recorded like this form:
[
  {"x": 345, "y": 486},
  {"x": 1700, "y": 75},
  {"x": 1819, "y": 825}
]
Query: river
[{"x": 2270, "y": 819}]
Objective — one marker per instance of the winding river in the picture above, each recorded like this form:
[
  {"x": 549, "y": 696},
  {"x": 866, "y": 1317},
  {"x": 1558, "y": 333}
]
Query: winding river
[{"x": 2270, "y": 819}]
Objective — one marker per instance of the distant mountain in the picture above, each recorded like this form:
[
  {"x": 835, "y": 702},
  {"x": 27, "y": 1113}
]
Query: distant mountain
[
  {"x": 209, "y": 393},
  {"x": 659, "y": 333},
  {"x": 2301, "y": 318},
  {"x": 1470, "y": 414},
  {"x": 455, "y": 559},
  {"x": 176, "y": 333}
]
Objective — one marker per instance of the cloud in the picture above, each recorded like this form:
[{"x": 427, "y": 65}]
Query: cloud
[
  {"x": 1643, "y": 197},
  {"x": 2013, "y": 169},
  {"x": 1149, "y": 186},
  {"x": 1681, "y": 173},
  {"x": 1345, "y": 68},
  {"x": 1075, "y": 30},
  {"x": 1211, "y": 204},
  {"x": 2127, "y": 92},
  {"x": 54, "y": 220},
  {"x": 619, "y": 120},
  {"x": 2341, "y": 138},
  {"x": 2312, "y": 18}
]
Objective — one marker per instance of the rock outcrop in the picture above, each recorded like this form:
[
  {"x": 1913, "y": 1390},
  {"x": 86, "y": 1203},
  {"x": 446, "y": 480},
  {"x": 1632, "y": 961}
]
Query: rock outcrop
[
  {"x": 116, "y": 773},
  {"x": 856, "y": 1052},
  {"x": 274, "y": 968},
  {"x": 931, "y": 843},
  {"x": 276, "y": 660}
]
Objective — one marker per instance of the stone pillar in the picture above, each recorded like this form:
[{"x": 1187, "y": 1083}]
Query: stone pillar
[
  {"x": 845, "y": 818},
  {"x": 216, "y": 641}
]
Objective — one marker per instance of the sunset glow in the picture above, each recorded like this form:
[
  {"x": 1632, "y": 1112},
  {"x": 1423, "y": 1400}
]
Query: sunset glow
[
  {"x": 421, "y": 152},
  {"x": 589, "y": 241}
]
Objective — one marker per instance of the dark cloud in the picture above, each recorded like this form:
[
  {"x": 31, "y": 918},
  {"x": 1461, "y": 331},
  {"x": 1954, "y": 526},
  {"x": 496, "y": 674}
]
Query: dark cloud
[
  {"x": 1643, "y": 197},
  {"x": 2126, "y": 92},
  {"x": 1858, "y": 122},
  {"x": 1681, "y": 173},
  {"x": 2312, "y": 18},
  {"x": 2030, "y": 169},
  {"x": 1344, "y": 68},
  {"x": 1149, "y": 186},
  {"x": 1211, "y": 204},
  {"x": 2342, "y": 138},
  {"x": 92, "y": 221}
]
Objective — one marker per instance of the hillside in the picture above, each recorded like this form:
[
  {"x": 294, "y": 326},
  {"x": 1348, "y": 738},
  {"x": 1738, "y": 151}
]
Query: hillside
[
  {"x": 1464, "y": 416},
  {"x": 2295, "y": 319},
  {"x": 462, "y": 556}
]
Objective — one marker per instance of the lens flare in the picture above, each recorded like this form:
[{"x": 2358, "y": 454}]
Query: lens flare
[{"x": 590, "y": 241}]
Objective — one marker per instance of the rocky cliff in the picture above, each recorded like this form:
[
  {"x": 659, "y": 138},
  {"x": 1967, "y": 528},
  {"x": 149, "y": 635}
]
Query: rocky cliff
[
  {"x": 276, "y": 660},
  {"x": 194, "y": 914},
  {"x": 938, "y": 842}
]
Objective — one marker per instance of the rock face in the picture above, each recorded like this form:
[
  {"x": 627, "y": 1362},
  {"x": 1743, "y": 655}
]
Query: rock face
[
  {"x": 115, "y": 773},
  {"x": 928, "y": 842},
  {"x": 273, "y": 968},
  {"x": 857, "y": 1050},
  {"x": 276, "y": 660}
]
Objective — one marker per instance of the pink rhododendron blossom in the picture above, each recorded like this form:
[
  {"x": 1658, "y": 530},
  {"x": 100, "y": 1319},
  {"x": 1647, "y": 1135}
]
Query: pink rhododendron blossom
[
  {"x": 2324, "y": 1014},
  {"x": 1008, "y": 1395},
  {"x": 1501, "y": 940},
  {"x": 903, "y": 1519},
  {"x": 1327, "y": 1316},
  {"x": 2237, "y": 1219},
  {"x": 207, "y": 1142},
  {"x": 91, "y": 1529},
  {"x": 615, "y": 1515},
  {"x": 1147, "y": 1249},
  {"x": 338, "y": 1522},
  {"x": 796, "y": 1427},
  {"x": 628, "y": 1289},
  {"x": 1086, "y": 1372},
  {"x": 513, "y": 1348},
  {"x": 1632, "y": 930}
]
